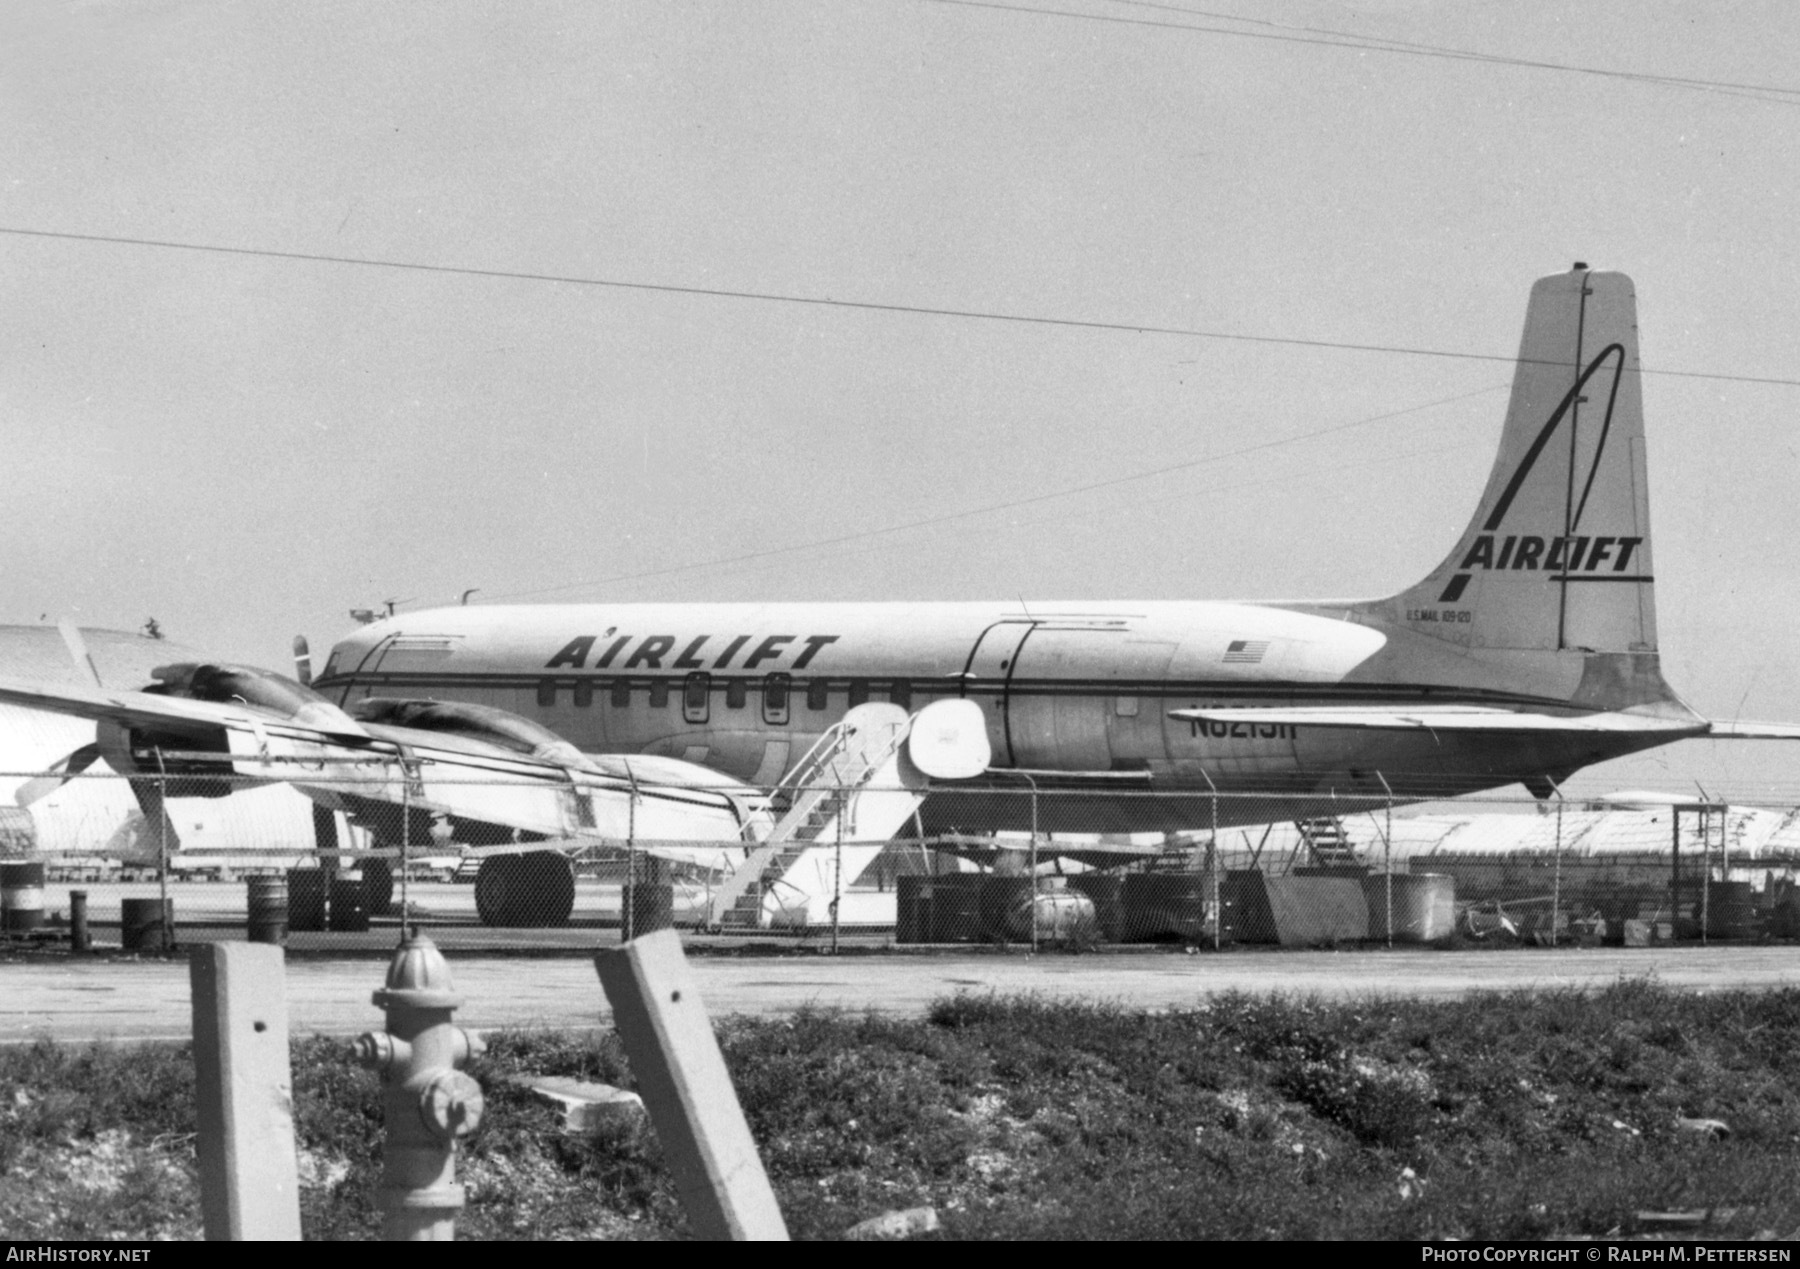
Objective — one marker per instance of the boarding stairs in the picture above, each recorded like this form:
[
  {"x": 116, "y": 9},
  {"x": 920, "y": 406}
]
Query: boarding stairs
[
  {"x": 854, "y": 789},
  {"x": 1326, "y": 843}
]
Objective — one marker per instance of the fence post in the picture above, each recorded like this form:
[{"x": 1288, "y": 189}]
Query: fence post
[
  {"x": 1674, "y": 865},
  {"x": 629, "y": 898},
  {"x": 1705, "y": 872},
  {"x": 1387, "y": 864},
  {"x": 244, "y": 1093},
  {"x": 166, "y": 924},
  {"x": 1212, "y": 861},
  {"x": 1556, "y": 876},
  {"x": 1033, "y": 889},
  {"x": 1387, "y": 857},
  {"x": 687, "y": 1090},
  {"x": 405, "y": 839},
  {"x": 837, "y": 862}
]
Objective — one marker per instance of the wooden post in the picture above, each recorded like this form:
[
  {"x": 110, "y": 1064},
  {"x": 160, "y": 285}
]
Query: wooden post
[
  {"x": 249, "y": 1182},
  {"x": 681, "y": 1074}
]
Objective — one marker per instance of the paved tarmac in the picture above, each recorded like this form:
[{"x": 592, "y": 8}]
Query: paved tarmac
[{"x": 78, "y": 999}]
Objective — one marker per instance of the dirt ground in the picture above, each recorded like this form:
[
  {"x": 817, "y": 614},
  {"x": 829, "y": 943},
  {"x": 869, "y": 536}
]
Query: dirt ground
[{"x": 77, "y": 999}]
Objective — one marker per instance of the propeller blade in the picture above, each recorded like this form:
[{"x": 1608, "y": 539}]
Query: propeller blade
[
  {"x": 71, "y": 765},
  {"x": 302, "y": 661},
  {"x": 159, "y": 831},
  {"x": 78, "y": 649}
]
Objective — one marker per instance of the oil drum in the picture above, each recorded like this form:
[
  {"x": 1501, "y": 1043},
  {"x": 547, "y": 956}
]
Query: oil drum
[
  {"x": 306, "y": 889},
  {"x": 146, "y": 925},
  {"x": 266, "y": 908},
  {"x": 347, "y": 914},
  {"x": 21, "y": 897}
]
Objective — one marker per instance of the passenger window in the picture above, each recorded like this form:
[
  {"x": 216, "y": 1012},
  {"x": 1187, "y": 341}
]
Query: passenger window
[
  {"x": 546, "y": 693},
  {"x": 901, "y": 694},
  {"x": 621, "y": 693},
  {"x": 659, "y": 693},
  {"x": 696, "y": 697},
  {"x": 775, "y": 699},
  {"x": 736, "y": 692},
  {"x": 816, "y": 697},
  {"x": 859, "y": 692},
  {"x": 584, "y": 695}
]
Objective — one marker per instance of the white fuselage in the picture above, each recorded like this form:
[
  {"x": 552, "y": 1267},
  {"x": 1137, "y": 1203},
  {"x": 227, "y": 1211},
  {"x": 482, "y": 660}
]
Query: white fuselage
[{"x": 1077, "y": 694}]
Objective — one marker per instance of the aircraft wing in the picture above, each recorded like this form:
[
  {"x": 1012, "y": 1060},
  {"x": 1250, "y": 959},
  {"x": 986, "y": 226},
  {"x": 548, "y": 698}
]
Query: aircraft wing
[
  {"x": 341, "y": 764},
  {"x": 1755, "y": 731},
  {"x": 1449, "y": 718},
  {"x": 143, "y": 709}
]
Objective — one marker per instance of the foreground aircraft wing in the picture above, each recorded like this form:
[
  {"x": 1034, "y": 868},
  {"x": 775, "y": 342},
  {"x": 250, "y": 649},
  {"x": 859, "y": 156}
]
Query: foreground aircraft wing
[
  {"x": 1442, "y": 719},
  {"x": 146, "y": 709},
  {"x": 340, "y": 762}
]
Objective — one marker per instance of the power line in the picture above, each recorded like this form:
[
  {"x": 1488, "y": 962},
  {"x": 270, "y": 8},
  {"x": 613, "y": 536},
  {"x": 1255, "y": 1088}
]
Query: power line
[
  {"x": 773, "y": 297},
  {"x": 1374, "y": 44},
  {"x": 1386, "y": 44},
  {"x": 969, "y": 513},
  {"x": 1137, "y": 506}
]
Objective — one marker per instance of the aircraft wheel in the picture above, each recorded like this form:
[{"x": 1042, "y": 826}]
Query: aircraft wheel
[
  {"x": 499, "y": 885},
  {"x": 552, "y": 889},
  {"x": 535, "y": 891},
  {"x": 378, "y": 887}
]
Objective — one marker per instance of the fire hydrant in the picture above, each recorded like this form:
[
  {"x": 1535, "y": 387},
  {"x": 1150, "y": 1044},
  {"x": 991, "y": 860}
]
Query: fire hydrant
[{"x": 427, "y": 1102}]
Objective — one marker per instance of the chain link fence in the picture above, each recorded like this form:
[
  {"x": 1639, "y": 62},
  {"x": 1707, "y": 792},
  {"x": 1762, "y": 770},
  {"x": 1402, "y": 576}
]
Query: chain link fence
[{"x": 1221, "y": 870}]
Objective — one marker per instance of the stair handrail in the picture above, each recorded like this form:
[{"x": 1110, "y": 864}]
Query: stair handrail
[
  {"x": 804, "y": 772},
  {"x": 806, "y": 793}
]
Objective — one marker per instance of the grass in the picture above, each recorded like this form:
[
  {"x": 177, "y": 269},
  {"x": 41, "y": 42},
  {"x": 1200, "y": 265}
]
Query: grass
[{"x": 1501, "y": 1116}]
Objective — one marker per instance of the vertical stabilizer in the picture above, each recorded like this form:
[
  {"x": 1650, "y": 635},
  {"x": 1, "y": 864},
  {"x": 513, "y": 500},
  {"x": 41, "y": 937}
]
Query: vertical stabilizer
[{"x": 1558, "y": 555}]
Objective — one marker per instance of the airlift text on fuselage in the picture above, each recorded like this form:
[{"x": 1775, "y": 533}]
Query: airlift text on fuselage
[{"x": 647, "y": 652}]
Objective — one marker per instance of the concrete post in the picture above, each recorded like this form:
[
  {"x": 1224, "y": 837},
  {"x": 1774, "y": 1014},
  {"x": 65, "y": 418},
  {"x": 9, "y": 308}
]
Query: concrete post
[
  {"x": 428, "y": 1103},
  {"x": 682, "y": 1077},
  {"x": 249, "y": 1182}
]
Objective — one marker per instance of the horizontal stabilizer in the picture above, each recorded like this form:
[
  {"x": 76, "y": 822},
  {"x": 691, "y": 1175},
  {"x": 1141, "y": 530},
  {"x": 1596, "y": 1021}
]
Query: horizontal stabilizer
[
  {"x": 1755, "y": 731},
  {"x": 1443, "y": 719}
]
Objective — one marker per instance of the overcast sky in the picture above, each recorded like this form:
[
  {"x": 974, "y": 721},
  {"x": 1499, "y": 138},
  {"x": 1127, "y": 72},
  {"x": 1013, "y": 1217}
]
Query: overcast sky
[{"x": 248, "y": 446}]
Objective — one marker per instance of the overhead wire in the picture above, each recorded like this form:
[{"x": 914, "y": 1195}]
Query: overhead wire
[
  {"x": 1388, "y": 44},
  {"x": 775, "y": 297},
  {"x": 992, "y": 508},
  {"x": 1375, "y": 44},
  {"x": 1135, "y": 507}
]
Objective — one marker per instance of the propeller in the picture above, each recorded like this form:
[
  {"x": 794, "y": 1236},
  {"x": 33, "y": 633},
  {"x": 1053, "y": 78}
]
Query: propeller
[
  {"x": 160, "y": 838},
  {"x": 302, "y": 661},
  {"x": 71, "y": 765}
]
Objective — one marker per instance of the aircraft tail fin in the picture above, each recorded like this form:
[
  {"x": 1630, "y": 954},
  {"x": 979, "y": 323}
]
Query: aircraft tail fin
[{"x": 1557, "y": 557}]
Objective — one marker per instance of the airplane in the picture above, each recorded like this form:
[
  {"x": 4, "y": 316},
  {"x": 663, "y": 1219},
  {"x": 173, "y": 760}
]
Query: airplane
[{"x": 1527, "y": 653}]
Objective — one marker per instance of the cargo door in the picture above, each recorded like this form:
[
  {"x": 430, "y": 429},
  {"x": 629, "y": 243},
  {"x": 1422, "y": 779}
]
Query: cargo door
[
  {"x": 1064, "y": 686},
  {"x": 987, "y": 679}
]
